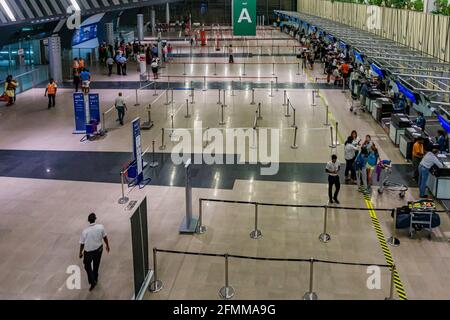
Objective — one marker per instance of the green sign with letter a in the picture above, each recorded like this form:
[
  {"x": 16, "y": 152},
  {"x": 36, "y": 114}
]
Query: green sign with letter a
[{"x": 244, "y": 17}]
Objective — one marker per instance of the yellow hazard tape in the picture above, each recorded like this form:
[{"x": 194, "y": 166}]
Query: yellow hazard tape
[{"x": 384, "y": 247}]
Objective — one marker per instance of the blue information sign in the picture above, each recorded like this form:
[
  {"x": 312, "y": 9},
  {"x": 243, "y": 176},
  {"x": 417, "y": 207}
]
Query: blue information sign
[
  {"x": 79, "y": 112},
  {"x": 94, "y": 107},
  {"x": 137, "y": 149}
]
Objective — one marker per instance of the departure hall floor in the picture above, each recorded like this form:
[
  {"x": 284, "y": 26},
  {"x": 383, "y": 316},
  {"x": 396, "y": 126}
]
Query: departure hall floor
[{"x": 51, "y": 181}]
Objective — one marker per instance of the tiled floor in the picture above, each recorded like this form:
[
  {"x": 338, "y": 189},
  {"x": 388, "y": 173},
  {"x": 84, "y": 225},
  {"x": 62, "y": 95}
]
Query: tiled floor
[{"x": 40, "y": 220}]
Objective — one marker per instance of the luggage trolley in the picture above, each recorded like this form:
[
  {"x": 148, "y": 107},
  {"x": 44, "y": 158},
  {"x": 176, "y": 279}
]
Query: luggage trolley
[
  {"x": 423, "y": 216},
  {"x": 384, "y": 170}
]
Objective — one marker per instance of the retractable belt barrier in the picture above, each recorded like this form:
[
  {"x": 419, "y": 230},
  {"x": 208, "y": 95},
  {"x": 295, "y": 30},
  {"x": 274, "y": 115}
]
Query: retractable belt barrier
[{"x": 228, "y": 292}]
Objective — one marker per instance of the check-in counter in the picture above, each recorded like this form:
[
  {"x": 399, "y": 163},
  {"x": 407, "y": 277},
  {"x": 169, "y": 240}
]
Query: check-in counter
[
  {"x": 382, "y": 108},
  {"x": 439, "y": 184},
  {"x": 407, "y": 140},
  {"x": 372, "y": 96},
  {"x": 399, "y": 123}
]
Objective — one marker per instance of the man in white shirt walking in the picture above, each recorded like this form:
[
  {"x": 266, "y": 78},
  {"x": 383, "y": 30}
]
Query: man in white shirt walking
[
  {"x": 428, "y": 161},
  {"x": 332, "y": 169},
  {"x": 120, "y": 105},
  {"x": 91, "y": 248}
]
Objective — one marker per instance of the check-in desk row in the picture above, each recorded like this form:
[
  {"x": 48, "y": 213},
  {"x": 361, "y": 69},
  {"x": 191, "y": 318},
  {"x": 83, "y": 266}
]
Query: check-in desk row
[
  {"x": 378, "y": 105},
  {"x": 439, "y": 184}
]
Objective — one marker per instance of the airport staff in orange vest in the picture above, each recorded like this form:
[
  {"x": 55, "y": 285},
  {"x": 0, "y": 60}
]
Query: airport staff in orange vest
[{"x": 50, "y": 91}]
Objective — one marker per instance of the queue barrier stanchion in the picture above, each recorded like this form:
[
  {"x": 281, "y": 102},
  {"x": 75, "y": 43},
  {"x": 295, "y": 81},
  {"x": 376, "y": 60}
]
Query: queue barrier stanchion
[
  {"x": 244, "y": 70},
  {"x": 123, "y": 199},
  {"x": 232, "y": 88},
  {"x": 227, "y": 291},
  {"x": 187, "y": 109},
  {"x": 392, "y": 284},
  {"x": 215, "y": 69},
  {"x": 336, "y": 141},
  {"x": 219, "y": 102},
  {"x": 313, "y": 104},
  {"x": 156, "y": 285},
  {"x": 260, "y": 117},
  {"x": 294, "y": 143},
  {"x": 276, "y": 83},
  {"x": 137, "y": 99},
  {"x": 163, "y": 145},
  {"x": 154, "y": 87},
  {"x": 273, "y": 69},
  {"x": 294, "y": 118},
  {"x": 332, "y": 145},
  {"x": 327, "y": 123},
  {"x": 204, "y": 84},
  {"x": 287, "y": 115},
  {"x": 224, "y": 97},
  {"x": 271, "y": 89},
  {"x": 171, "y": 125},
  {"x": 310, "y": 295},
  {"x": 324, "y": 236},
  {"x": 201, "y": 228},
  {"x": 256, "y": 233},
  {"x": 253, "y": 97},
  {"x": 192, "y": 96},
  {"x": 167, "y": 98},
  {"x": 393, "y": 240},
  {"x": 154, "y": 163},
  {"x": 284, "y": 98},
  {"x": 149, "y": 123},
  {"x": 222, "y": 120}
]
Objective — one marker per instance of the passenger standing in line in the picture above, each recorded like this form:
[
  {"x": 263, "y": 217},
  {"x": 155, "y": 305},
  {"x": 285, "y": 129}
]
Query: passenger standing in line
[
  {"x": 442, "y": 141},
  {"x": 429, "y": 160},
  {"x": 123, "y": 65},
  {"x": 110, "y": 64},
  {"x": 50, "y": 91},
  {"x": 230, "y": 53},
  {"x": 360, "y": 168},
  {"x": 118, "y": 64},
  {"x": 76, "y": 79},
  {"x": 91, "y": 248},
  {"x": 154, "y": 67},
  {"x": 120, "y": 107},
  {"x": 332, "y": 169},
  {"x": 417, "y": 156},
  {"x": 86, "y": 80},
  {"x": 372, "y": 161},
  {"x": 350, "y": 151},
  {"x": 81, "y": 62}
]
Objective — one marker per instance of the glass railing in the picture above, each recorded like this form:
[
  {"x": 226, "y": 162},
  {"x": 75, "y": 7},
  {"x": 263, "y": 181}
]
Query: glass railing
[{"x": 29, "y": 79}]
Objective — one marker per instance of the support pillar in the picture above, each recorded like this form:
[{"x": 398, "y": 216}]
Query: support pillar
[
  {"x": 153, "y": 20},
  {"x": 140, "y": 27},
  {"x": 429, "y": 6},
  {"x": 167, "y": 14},
  {"x": 54, "y": 58},
  {"x": 109, "y": 33}
]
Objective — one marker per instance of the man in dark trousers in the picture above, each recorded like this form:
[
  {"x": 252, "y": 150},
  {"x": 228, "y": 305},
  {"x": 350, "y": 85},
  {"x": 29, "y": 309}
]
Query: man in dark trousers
[
  {"x": 332, "y": 169},
  {"x": 91, "y": 248}
]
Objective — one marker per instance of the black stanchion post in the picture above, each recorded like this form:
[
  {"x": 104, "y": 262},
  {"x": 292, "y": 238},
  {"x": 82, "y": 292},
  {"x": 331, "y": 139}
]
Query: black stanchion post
[
  {"x": 154, "y": 163},
  {"x": 187, "y": 109},
  {"x": 284, "y": 98},
  {"x": 253, "y": 97},
  {"x": 123, "y": 199},
  {"x": 222, "y": 120},
  {"x": 192, "y": 95},
  {"x": 294, "y": 143},
  {"x": 287, "y": 108},
  {"x": 393, "y": 240},
  {"x": 219, "y": 102}
]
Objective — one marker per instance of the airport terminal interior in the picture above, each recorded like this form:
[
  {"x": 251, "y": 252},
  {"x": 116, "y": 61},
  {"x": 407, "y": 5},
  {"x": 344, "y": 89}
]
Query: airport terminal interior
[{"x": 204, "y": 137}]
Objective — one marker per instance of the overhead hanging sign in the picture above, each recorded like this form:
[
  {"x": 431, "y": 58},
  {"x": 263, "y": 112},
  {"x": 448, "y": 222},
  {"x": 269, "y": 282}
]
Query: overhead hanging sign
[
  {"x": 244, "y": 17},
  {"x": 408, "y": 93}
]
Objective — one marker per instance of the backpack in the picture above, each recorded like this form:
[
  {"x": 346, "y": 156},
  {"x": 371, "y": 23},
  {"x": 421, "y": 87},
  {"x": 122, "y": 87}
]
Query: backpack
[
  {"x": 359, "y": 162},
  {"x": 372, "y": 159}
]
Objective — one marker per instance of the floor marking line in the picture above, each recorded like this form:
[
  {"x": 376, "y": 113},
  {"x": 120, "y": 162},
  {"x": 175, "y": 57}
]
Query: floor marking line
[{"x": 384, "y": 247}]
